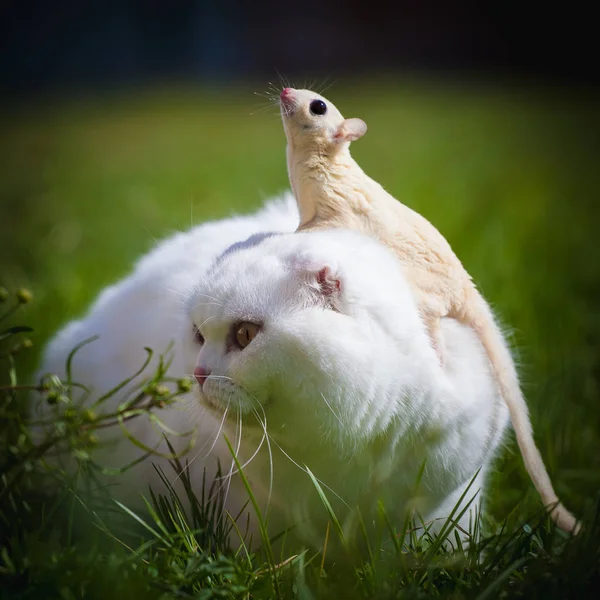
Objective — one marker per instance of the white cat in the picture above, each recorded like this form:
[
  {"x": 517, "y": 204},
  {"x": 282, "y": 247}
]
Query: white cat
[
  {"x": 147, "y": 309},
  {"x": 310, "y": 352}
]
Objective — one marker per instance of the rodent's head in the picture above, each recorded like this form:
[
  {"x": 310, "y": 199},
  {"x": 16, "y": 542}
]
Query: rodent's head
[{"x": 309, "y": 120}]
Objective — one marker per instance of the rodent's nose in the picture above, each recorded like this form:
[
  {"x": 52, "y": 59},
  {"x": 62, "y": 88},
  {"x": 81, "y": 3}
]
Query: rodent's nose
[
  {"x": 287, "y": 101},
  {"x": 201, "y": 374}
]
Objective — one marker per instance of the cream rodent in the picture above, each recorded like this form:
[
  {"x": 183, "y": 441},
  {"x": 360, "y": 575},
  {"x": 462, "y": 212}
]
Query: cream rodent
[{"x": 333, "y": 191}]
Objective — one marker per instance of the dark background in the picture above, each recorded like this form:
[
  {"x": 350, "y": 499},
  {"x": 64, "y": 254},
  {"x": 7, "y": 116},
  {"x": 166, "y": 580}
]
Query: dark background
[
  {"x": 74, "y": 43},
  {"x": 483, "y": 117}
]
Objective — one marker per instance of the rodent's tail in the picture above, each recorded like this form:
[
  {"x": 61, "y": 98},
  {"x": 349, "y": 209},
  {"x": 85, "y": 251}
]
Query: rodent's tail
[{"x": 506, "y": 376}]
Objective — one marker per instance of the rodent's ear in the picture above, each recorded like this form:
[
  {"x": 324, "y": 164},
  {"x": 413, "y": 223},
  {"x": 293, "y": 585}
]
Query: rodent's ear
[{"x": 350, "y": 130}]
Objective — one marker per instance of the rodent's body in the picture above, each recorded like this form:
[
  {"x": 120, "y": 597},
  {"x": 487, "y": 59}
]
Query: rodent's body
[
  {"x": 333, "y": 191},
  {"x": 344, "y": 196}
]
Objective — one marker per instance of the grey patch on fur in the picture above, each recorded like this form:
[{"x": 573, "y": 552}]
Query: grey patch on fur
[{"x": 254, "y": 240}]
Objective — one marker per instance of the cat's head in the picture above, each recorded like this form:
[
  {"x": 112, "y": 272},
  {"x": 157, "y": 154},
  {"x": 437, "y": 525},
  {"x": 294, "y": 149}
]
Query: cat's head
[{"x": 315, "y": 332}]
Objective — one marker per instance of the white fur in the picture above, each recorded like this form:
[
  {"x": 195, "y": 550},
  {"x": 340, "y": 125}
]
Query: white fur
[
  {"x": 356, "y": 393},
  {"x": 346, "y": 382},
  {"x": 146, "y": 309}
]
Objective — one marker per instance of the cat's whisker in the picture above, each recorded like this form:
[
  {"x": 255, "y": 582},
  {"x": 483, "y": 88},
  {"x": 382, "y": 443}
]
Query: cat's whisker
[
  {"x": 226, "y": 479},
  {"x": 209, "y": 297},
  {"x": 264, "y": 426},
  {"x": 207, "y": 304},
  {"x": 186, "y": 296},
  {"x": 220, "y": 429},
  {"x": 206, "y": 321},
  {"x": 150, "y": 234},
  {"x": 305, "y": 471},
  {"x": 333, "y": 412},
  {"x": 237, "y": 452},
  {"x": 211, "y": 376},
  {"x": 262, "y": 441},
  {"x": 215, "y": 303},
  {"x": 216, "y": 437},
  {"x": 194, "y": 408}
]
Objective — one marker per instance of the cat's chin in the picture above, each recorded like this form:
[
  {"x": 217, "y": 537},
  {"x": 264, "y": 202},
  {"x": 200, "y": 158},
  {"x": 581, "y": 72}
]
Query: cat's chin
[
  {"x": 223, "y": 397},
  {"x": 231, "y": 414},
  {"x": 213, "y": 405}
]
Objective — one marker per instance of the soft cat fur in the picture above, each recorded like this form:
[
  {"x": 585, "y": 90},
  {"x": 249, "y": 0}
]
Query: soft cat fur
[
  {"x": 341, "y": 372},
  {"x": 344, "y": 376},
  {"x": 146, "y": 308}
]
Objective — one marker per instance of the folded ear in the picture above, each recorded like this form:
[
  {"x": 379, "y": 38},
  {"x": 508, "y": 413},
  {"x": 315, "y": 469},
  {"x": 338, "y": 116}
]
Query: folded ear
[
  {"x": 329, "y": 283},
  {"x": 321, "y": 277},
  {"x": 350, "y": 130}
]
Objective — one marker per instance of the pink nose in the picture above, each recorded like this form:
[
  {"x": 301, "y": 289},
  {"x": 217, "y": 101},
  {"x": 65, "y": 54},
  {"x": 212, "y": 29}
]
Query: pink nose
[
  {"x": 201, "y": 374},
  {"x": 286, "y": 94}
]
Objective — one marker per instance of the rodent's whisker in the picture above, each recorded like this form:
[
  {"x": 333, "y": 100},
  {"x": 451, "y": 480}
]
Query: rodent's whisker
[
  {"x": 266, "y": 109},
  {"x": 284, "y": 81},
  {"x": 326, "y": 85},
  {"x": 271, "y": 102},
  {"x": 269, "y": 96}
]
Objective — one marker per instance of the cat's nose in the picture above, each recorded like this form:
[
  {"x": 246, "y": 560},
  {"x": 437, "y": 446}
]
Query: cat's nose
[{"x": 201, "y": 374}]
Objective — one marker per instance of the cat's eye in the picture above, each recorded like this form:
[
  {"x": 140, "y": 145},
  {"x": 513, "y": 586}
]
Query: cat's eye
[
  {"x": 244, "y": 333},
  {"x": 198, "y": 337}
]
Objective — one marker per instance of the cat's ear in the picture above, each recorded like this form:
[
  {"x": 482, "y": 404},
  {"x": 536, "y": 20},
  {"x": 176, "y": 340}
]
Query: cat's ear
[
  {"x": 329, "y": 283},
  {"x": 350, "y": 130},
  {"x": 320, "y": 277}
]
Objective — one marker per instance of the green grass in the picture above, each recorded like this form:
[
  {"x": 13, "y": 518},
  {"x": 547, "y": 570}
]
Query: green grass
[{"x": 509, "y": 176}]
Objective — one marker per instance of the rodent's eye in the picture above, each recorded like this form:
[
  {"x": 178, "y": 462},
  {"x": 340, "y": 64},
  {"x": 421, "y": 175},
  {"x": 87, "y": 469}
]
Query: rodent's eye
[
  {"x": 244, "y": 333},
  {"x": 198, "y": 337},
  {"x": 318, "y": 107}
]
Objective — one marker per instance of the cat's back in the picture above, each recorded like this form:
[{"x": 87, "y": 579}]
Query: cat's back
[{"x": 146, "y": 307}]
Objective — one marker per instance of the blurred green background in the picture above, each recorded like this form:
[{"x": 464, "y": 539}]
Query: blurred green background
[{"x": 509, "y": 175}]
